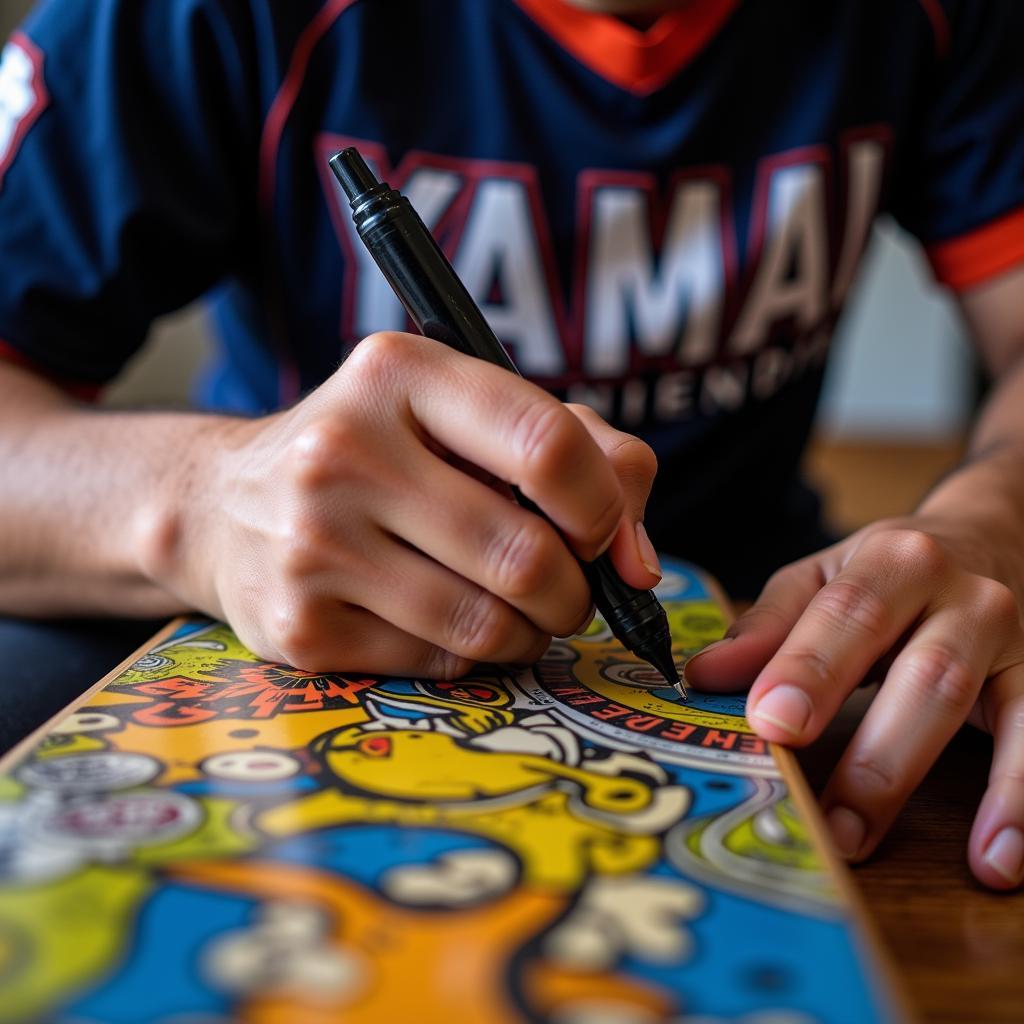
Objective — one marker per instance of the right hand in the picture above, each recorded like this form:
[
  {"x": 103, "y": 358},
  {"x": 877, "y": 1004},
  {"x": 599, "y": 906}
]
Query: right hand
[{"x": 369, "y": 527}]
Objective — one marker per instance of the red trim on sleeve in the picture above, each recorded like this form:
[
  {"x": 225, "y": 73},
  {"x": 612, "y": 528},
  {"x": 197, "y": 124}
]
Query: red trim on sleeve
[
  {"x": 940, "y": 25},
  {"x": 87, "y": 392},
  {"x": 983, "y": 253},
  {"x": 270, "y": 144},
  {"x": 635, "y": 60},
  {"x": 281, "y": 108}
]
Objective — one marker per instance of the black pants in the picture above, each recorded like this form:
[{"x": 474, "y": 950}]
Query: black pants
[{"x": 45, "y": 665}]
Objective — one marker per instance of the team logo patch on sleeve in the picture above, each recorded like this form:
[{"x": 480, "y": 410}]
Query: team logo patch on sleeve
[{"x": 23, "y": 95}]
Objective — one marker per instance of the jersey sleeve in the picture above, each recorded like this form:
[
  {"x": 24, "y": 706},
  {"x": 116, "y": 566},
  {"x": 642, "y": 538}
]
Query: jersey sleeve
[
  {"x": 128, "y": 167},
  {"x": 961, "y": 189}
]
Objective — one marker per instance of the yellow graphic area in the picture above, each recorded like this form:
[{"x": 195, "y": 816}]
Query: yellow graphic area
[
  {"x": 796, "y": 852},
  {"x": 605, "y": 667},
  {"x": 433, "y": 766},
  {"x": 94, "y": 909},
  {"x": 195, "y": 656}
]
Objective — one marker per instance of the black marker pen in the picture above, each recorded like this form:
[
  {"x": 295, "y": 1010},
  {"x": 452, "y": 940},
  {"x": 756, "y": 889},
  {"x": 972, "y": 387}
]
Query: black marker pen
[{"x": 439, "y": 305}]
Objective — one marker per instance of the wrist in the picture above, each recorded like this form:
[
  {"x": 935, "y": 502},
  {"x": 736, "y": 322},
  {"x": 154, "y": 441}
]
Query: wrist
[
  {"x": 980, "y": 507},
  {"x": 172, "y": 533}
]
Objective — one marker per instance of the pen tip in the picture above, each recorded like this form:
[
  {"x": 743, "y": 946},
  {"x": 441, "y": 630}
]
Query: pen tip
[{"x": 680, "y": 687}]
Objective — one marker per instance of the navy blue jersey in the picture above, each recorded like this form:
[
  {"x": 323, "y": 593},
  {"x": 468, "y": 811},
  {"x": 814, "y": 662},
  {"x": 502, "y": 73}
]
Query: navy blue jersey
[{"x": 660, "y": 222}]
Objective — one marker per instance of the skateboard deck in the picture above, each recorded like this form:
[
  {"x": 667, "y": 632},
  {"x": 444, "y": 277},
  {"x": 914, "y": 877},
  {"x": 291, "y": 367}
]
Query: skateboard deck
[{"x": 205, "y": 837}]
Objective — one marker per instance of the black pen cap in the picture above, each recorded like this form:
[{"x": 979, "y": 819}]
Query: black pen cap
[{"x": 352, "y": 172}]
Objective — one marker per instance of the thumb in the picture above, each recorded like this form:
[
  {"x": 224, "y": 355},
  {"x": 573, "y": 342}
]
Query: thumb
[{"x": 635, "y": 465}]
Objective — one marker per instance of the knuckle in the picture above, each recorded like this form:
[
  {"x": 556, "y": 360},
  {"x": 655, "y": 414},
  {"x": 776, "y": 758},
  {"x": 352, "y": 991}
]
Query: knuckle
[
  {"x": 634, "y": 458},
  {"x": 820, "y": 666},
  {"x": 520, "y": 559},
  {"x": 635, "y": 463},
  {"x": 379, "y": 357},
  {"x": 873, "y": 774},
  {"x": 547, "y": 439},
  {"x": 292, "y": 629},
  {"x": 997, "y": 602},
  {"x": 918, "y": 549},
  {"x": 584, "y": 413},
  {"x": 320, "y": 452},
  {"x": 479, "y": 626},
  {"x": 852, "y": 605},
  {"x": 441, "y": 664},
  {"x": 298, "y": 547},
  {"x": 943, "y": 677}
]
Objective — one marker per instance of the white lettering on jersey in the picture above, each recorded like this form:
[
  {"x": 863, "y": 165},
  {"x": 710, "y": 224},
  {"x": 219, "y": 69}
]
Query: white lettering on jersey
[
  {"x": 499, "y": 253},
  {"x": 652, "y": 294},
  {"x": 662, "y": 305},
  {"x": 865, "y": 160},
  {"x": 22, "y": 95},
  {"x": 792, "y": 274},
  {"x": 375, "y": 307}
]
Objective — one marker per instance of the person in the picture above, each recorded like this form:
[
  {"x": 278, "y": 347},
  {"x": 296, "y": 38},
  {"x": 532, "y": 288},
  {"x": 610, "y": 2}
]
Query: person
[{"x": 660, "y": 206}]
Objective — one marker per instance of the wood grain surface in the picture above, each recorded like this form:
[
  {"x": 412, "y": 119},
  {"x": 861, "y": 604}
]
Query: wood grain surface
[{"x": 958, "y": 948}]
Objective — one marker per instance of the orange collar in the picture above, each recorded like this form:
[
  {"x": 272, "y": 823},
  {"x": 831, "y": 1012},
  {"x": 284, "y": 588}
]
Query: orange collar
[{"x": 639, "y": 61}]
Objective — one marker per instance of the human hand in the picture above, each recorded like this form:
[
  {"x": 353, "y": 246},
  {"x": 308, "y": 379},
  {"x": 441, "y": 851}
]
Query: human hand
[
  {"x": 370, "y": 528},
  {"x": 913, "y": 602}
]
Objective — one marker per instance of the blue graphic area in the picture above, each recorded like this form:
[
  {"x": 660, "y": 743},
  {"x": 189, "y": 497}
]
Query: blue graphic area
[
  {"x": 719, "y": 703},
  {"x": 754, "y": 957},
  {"x": 296, "y": 785},
  {"x": 367, "y": 852},
  {"x": 690, "y": 587},
  {"x": 189, "y": 628},
  {"x": 713, "y": 794},
  {"x": 160, "y": 972},
  {"x": 400, "y": 687}
]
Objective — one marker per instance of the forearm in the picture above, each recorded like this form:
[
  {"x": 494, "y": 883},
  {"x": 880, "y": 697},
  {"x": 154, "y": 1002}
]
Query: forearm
[
  {"x": 84, "y": 496},
  {"x": 985, "y": 496}
]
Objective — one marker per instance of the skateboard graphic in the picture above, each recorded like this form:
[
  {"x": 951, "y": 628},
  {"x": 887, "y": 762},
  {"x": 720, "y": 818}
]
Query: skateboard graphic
[{"x": 206, "y": 837}]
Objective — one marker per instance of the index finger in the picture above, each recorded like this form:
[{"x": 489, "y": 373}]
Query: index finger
[
  {"x": 853, "y": 620},
  {"x": 526, "y": 437}
]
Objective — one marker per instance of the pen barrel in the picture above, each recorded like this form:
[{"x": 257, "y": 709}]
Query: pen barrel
[
  {"x": 419, "y": 273},
  {"x": 441, "y": 308},
  {"x": 635, "y": 617}
]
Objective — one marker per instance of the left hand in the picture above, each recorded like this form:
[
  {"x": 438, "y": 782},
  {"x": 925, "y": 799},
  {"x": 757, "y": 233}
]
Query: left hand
[{"x": 908, "y": 600}]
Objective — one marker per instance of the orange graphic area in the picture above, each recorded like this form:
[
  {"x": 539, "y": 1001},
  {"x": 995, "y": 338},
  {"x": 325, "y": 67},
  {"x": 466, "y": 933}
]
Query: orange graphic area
[
  {"x": 370, "y": 961},
  {"x": 256, "y": 692},
  {"x": 184, "y": 748}
]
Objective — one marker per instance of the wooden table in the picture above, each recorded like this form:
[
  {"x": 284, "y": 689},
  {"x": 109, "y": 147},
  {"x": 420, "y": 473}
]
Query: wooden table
[{"x": 958, "y": 948}]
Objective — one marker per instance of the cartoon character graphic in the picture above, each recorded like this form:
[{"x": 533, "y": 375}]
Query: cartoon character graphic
[{"x": 559, "y": 844}]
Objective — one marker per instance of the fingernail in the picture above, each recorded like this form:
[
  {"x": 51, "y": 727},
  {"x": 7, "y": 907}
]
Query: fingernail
[
  {"x": 848, "y": 830},
  {"x": 785, "y": 706},
  {"x": 1006, "y": 854},
  {"x": 586, "y": 625},
  {"x": 647, "y": 553}
]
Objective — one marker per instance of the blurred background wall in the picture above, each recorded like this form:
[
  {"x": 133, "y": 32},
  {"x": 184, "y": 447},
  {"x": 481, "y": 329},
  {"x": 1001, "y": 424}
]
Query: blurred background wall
[{"x": 901, "y": 380}]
